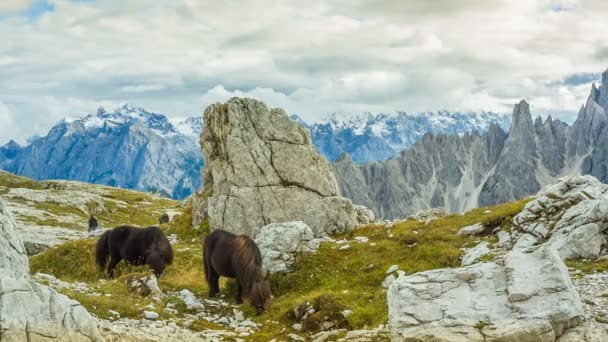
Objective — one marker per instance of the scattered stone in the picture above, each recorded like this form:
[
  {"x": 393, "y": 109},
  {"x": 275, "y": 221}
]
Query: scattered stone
[
  {"x": 192, "y": 303},
  {"x": 147, "y": 286},
  {"x": 280, "y": 243},
  {"x": 297, "y": 326},
  {"x": 295, "y": 337},
  {"x": 151, "y": 315},
  {"x": 392, "y": 269},
  {"x": 472, "y": 255},
  {"x": 361, "y": 239},
  {"x": 427, "y": 216},
  {"x": 347, "y": 313},
  {"x": 504, "y": 239},
  {"x": 172, "y": 239},
  {"x": 344, "y": 247},
  {"x": 474, "y": 229}
]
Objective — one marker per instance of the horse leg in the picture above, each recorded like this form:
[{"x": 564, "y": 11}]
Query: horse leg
[
  {"x": 114, "y": 260},
  {"x": 214, "y": 283},
  {"x": 239, "y": 292}
]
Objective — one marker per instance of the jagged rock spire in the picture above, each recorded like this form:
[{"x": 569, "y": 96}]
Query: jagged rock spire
[{"x": 262, "y": 168}]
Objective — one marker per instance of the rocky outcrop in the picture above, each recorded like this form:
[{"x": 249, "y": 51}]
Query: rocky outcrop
[
  {"x": 472, "y": 255},
  {"x": 462, "y": 172},
  {"x": 280, "y": 243},
  {"x": 570, "y": 216},
  {"x": 261, "y": 168},
  {"x": 29, "y": 311},
  {"x": 523, "y": 296}
]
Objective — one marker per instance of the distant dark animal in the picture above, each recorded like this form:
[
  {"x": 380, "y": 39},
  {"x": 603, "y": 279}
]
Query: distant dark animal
[
  {"x": 236, "y": 256},
  {"x": 164, "y": 218},
  {"x": 93, "y": 225},
  {"x": 137, "y": 246}
]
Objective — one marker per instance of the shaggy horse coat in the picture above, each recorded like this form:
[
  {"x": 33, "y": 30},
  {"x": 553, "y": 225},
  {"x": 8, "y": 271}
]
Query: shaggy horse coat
[
  {"x": 235, "y": 256},
  {"x": 137, "y": 246}
]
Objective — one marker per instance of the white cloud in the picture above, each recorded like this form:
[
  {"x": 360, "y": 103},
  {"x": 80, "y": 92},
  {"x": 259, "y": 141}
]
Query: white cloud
[
  {"x": 12, "y": 6},
  {"x": 312, "y": 58}
]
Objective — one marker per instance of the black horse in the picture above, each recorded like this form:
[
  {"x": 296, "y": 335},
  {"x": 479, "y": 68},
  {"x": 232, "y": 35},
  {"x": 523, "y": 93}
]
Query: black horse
[
  {"x": 236, "y": 256},
  {"x": 137, "y": 246},
  {"x": 164, "y": 218},
  {"x": 93, "y": 225}
]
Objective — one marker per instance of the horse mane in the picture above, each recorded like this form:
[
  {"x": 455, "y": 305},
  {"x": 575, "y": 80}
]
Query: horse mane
[{"x": 249, "y": 267}]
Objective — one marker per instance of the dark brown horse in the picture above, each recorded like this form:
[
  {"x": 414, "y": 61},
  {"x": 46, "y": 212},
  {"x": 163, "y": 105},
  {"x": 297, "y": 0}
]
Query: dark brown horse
[
  {"x": 137, "y": 246},
  {"x": 236, "y": 256}
]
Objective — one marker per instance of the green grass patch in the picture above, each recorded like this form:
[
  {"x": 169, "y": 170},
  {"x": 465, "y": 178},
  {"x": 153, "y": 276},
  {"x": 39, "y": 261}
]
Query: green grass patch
[
  {"x": 331, "y": 279},
  {"x": 10, "y": 180},
  {"x": 588, "y": 266}
]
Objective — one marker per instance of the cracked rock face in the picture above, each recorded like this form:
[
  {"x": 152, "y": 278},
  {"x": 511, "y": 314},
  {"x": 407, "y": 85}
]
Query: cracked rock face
[
  {"x": 280, "y": 243},
  {"x": 29, "y": 311},
  {"x": 570, "y": 216},
  {"x": 262, "y": 168},
  {"x": 523, "y": 296}
]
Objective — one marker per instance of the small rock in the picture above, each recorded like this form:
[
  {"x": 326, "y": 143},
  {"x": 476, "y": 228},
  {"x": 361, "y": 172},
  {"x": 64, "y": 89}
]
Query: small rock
[
  {"x": 474, "y": 229},
  {"x": 361, "y": 239},
  {"x": 475, "y": 253},
  {"x": 347, "y": 313},
  {"x": 151, "y": 315},
  {"x": 388, "y": 281},
  {"x": 344, "y": 247},
  {"x": 297, "y": 327},
  {"x": 372, "y": 244},
  {"x": 392, "y": 269},
  {"x": 295, "y": 337}
]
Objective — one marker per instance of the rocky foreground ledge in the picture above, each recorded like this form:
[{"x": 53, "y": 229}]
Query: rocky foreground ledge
[
  {"x": 525, "y": 293},
  {"x": 30, "y": 311}
]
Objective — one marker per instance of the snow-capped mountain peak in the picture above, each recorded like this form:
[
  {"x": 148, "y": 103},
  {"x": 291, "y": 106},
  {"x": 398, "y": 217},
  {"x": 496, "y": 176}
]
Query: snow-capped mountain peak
[
  {"x": 123, "y": 115},
  {"x": 191, "y": 126}
]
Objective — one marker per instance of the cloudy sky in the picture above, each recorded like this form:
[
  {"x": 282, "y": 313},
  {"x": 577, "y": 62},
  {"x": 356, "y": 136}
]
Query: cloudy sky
[{"x": 65, "y": 57}]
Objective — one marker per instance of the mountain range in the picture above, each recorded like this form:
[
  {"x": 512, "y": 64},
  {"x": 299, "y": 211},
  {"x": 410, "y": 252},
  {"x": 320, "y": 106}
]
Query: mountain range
[
  {"x": 132, "y": 148},
  {"x": 459, "y": 172},
  {"x": 128, "y": 148},
  {"x": 368, "y": 137}
]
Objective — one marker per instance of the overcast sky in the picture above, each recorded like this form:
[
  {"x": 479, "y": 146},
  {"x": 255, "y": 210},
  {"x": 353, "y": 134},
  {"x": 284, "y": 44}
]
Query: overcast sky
[{"x": 65, "y": 57}]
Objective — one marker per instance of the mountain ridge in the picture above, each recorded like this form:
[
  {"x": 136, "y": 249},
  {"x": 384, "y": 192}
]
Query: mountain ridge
[{"x": 462, "y": 172}]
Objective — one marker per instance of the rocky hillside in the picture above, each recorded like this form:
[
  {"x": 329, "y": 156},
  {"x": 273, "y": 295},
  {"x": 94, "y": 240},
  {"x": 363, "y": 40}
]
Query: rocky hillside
[
  {"x": 462, "y": 172},
  {"x": 49, "y": 213},
  {"x": 373, "y": 137},
  {"x": 371, "y": 283},
  {"x": 128, "y": 148}
]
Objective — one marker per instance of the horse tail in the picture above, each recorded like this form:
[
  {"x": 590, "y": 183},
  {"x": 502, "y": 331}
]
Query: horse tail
[
  {"x": 206, "y": 256},
  {"x": 102, "y": 250}
]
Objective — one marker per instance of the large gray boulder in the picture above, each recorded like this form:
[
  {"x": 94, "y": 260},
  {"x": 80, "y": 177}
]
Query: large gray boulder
[
  {"x": 280, "y": 243},
  {"x": 523, "y": 296},
  {"x": 571, "y": 216},
  {"x": 29, "y": 311},
  {"x": 262, "y": 168}
]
